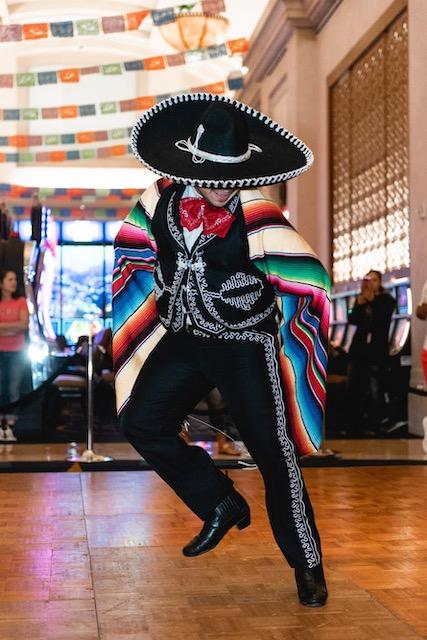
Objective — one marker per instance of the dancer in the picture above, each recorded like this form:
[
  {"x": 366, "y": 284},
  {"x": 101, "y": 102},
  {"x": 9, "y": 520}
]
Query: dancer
[{"x": 212, "y": 287}]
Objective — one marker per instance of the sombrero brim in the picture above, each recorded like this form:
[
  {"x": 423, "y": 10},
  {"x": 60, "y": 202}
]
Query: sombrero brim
[{"x": 153, "y": 139}]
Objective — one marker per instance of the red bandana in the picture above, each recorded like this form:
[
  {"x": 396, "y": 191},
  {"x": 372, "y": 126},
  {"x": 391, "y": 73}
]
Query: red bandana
[{"x": 195, "y": 211}]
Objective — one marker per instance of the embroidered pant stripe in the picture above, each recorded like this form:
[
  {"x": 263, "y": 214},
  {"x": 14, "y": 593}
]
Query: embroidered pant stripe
[
  {"x": 288, "y": 447},
  {"x": 305, "y": 534}
]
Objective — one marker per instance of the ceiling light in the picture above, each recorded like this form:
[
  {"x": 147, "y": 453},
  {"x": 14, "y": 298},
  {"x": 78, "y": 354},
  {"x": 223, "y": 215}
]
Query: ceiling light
[{"x": 194, "y": 30}]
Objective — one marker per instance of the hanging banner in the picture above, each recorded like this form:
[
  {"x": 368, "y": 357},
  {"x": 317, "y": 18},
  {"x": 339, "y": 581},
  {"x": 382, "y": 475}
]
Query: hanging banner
[
  {"x": 67, "y": 213},
  {"x": 72, "y": 28},
  {"x": 18, "y": 191},
  {"x": 81, "y": 137},
  {"x": 154, "y": 63},
  {"x": 140, "y": 103},
  {"x": 97, "y": 26},
  {"x": 64, "y": 156}
]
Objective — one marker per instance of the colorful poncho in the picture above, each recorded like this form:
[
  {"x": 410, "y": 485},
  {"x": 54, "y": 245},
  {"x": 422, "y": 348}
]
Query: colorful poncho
[{"x": 300, "y": 282}]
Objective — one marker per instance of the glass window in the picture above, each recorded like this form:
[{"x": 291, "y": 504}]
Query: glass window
[
  {"x": 111, "y": 229},
  {"x": 370, "y": 194},
  {"x": 24, "y": 229},
  {"x": 402, "y": 299},
  {"x": 340, "y": 310},
  {"x": 82, "y": 231},
  {"x": 82, "y": 289}
]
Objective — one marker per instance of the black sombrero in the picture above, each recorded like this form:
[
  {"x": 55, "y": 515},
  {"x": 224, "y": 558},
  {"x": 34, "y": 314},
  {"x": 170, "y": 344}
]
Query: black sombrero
[{"x": 213, "y": 141}]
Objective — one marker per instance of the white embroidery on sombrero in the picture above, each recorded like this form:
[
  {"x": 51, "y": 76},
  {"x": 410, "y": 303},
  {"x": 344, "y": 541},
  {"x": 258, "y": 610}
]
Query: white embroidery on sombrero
[{"x": 200, "y": 156}]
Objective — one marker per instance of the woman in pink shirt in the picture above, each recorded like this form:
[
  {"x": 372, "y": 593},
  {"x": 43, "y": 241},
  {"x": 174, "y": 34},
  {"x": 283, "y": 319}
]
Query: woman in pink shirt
[{"x": 13, "y": 326}]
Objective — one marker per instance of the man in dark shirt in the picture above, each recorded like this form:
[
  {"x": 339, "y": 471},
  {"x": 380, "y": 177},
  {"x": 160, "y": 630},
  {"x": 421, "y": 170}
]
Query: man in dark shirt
[{"x": 369, "y": 354}]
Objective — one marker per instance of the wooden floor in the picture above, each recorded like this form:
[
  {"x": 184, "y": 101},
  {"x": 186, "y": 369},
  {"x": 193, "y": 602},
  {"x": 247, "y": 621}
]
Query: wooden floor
[{"x": 87, "y": 556}]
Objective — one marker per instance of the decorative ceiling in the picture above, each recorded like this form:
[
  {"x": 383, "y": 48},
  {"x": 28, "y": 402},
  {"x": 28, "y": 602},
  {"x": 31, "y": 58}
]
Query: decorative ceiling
[{"x": 74, "y": 75}]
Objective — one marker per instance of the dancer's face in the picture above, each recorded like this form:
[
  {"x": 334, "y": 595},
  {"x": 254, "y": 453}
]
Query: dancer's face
[{"x": 217, "y": 197}]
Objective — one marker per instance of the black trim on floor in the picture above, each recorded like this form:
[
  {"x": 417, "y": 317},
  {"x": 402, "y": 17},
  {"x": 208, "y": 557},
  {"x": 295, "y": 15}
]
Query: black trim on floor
[{"x": 45, "y": 466}]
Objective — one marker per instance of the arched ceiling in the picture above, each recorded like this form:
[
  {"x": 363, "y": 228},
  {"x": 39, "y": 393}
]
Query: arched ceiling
[{"x": 77, "y": 52}]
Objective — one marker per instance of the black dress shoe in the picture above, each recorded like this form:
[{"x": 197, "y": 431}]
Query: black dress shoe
[
  {"x": 311, "y": 585},
  {"x": 232, "y": 511}
]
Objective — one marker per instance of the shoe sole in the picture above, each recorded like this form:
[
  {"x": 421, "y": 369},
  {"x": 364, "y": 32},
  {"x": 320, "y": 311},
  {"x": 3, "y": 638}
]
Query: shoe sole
[{"x": 313, "y": 604}]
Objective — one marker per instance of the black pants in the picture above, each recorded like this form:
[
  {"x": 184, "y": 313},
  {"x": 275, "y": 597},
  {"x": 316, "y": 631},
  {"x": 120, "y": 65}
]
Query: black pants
[
  {"x": 366, "y": 388},
  {"x": 244, "y": 366}
]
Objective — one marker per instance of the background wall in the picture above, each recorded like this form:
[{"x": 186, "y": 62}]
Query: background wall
[{"x": 290, "y": 82}]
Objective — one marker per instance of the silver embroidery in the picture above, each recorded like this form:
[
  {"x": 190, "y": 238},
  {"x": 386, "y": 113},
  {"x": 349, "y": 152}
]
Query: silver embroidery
[
  {"x": 207, "y": 298},
  {"x": 236, "y": 282},
  {"x": 159, "y": 283},
  {"x": 194, "y": 265},
  {"x": 302, "y": 526},
  {"x": 174, "y": 290},
  {"x": 175, "y": 231}
]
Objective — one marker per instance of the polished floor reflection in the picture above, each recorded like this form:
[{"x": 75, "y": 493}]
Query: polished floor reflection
[
  {"x": 379, "y": 450},
  {"x": 87, "y": 556}
]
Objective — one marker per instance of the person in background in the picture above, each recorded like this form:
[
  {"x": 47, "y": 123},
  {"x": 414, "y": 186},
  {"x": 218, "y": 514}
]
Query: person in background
[
  {"x": 13, "y": 328},
  {"x": 220, "y": 421},
  {"x": 223, "y": 424},
  {"x": 104, "y": 398},
  {"x": 36, "y": 219},
  {"x": 369, "y": 355},
  {"x": 6, "y": 222},
  {"x": 421, "y": 313}
]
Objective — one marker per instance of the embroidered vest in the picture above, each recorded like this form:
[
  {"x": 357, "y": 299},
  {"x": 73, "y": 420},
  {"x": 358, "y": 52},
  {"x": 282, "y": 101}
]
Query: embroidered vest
[{"x": 214, "y": 286}]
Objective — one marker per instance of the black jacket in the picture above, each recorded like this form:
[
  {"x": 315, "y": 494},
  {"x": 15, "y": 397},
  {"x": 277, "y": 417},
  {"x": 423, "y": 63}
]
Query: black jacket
[
  {"x": 215, "y": 283},
  {"x": 370, "y": 342}
]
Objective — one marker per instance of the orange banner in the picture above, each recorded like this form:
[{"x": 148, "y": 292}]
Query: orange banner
[
  {"x": 144, "y": 102},
  {"x": 35, "y": 31},
  {"x": 216, "y": 87},
  {"x": 85, "y": 136},
  {"x": 18, "y": 141},
  {"x": 57, "y": 156},
  {"x": 69, "y": 75},
  {"x": 241, "y": 45},
  {"x": 134, "y": 19},
  {"x": 156, "y": 62},
  {"x": 118, "y": 150},
  {"x": 68, "y": 111}
]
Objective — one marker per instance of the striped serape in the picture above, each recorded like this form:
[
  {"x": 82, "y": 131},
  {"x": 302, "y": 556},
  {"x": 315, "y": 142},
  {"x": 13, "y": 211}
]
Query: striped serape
[{"x": 300, "y": 282}]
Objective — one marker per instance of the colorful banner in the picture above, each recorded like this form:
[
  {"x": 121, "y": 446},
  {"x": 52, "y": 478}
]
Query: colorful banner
[
  {"x": 72, "y": 28},
  {"x": 67, "y": 213},
  {"x": 154, "y": 63},
  {"x": 140, "y": 103},
  {"x": 64, "y": 156},
  {"x": 81, "y": 137},
  {"x": 18, "y": 191},
  {"x": 97, "y": 26}
]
